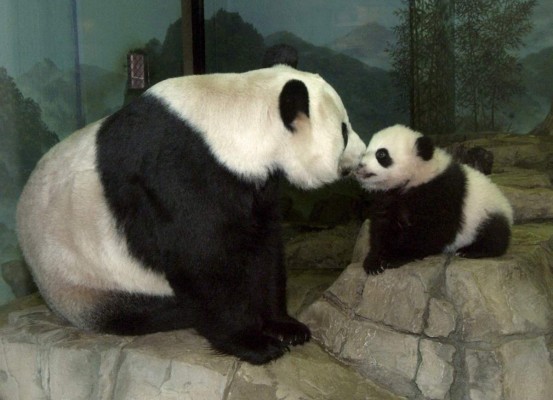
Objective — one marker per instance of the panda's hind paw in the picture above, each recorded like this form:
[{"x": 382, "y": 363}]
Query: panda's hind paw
[{"x": 288, "y": 331}]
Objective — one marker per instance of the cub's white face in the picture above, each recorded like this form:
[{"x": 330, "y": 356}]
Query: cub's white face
[{"x": 395, "y": 158}]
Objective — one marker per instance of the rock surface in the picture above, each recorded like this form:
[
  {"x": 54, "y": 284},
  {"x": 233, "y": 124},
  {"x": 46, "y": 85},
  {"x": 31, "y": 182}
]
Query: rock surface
[
  {"x": 433, "y": 329},
  {"x": 43, "y": 358}
]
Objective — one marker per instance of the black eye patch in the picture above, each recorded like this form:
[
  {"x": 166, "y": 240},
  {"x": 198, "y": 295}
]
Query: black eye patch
[
  {"x": 383, "y": 158},
  {"x": 345, "y": 134}
]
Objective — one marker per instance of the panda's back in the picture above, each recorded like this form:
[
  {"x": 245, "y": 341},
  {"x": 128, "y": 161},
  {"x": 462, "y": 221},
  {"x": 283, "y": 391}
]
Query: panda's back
[
  {"x": 482, "y": 201},
  {"x": 63, "y": 195}
]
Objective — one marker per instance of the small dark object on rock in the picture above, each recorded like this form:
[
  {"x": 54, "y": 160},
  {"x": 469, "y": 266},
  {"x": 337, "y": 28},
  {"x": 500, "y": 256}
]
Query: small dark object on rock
[
  {"x": 477, "y": 157},
  {"x": 280, "y": 54}
]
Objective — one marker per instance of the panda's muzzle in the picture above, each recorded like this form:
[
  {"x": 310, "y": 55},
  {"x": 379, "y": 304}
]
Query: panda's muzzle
[
  {"x": 365, "y": 175},
  {"x": 361, "y": 172}
]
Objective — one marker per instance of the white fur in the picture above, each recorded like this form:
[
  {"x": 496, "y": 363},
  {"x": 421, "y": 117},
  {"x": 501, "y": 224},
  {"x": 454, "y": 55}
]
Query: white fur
[{"x": 251, "y": 139}]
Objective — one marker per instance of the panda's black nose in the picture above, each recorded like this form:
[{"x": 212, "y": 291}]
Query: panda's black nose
[{"x": 346, "y": 171}]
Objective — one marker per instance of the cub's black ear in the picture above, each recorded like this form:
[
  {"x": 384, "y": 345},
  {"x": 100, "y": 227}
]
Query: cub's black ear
[
  {"x": 293, "y": 103},
  {"x": 425, "y": 148},
  {"x": 280, "y": 54}
]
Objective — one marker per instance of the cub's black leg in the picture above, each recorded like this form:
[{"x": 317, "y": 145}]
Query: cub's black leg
[
  {"x": 375, "y": 265},
  {"x": 492, "y": 239}
]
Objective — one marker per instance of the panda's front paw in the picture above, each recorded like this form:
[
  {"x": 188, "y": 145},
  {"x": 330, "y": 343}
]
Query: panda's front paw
[
  {"x": 252, "y": 346},
  {"x": 287, "y": 330},
  {"x": 374, "y": 265}
]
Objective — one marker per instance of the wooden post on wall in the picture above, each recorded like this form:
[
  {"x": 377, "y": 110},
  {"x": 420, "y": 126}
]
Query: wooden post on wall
[{"x": 193, "y": 37}]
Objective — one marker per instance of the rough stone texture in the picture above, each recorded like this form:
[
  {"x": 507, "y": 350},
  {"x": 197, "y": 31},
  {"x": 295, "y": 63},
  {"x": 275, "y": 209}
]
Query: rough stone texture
[
  {"x": 530, "y": 204},
  {"x": 442, "y": 318},
  {"x": 467, "y": 329},
  {"x": 406, "y": 291},
  {"x": 435, "y": 374},
  {"x": 523, "y": 151},
  {"x": 522, "y": 178},
  {"x": 529, "y": 192},
  {"x": 496, "y": 297},
  {"x": 43, "y": 358}
]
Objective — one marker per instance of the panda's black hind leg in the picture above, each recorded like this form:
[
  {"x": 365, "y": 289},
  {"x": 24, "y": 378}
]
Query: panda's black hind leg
[
  {"x": 124, "y": 313},
  {"x": 492, "y": 239}
]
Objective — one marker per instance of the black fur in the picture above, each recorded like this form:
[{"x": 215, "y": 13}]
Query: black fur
[
  {"x": 425, "y": 147},
  {"x": 492, "y": 240},
  {"x": 383, "y": 158},
  {"x": 293, "y": 99},
  {"x": 215, "y": 237},
  {"x": 411, "y": 225},
  {"x": 345, "y": 134}
]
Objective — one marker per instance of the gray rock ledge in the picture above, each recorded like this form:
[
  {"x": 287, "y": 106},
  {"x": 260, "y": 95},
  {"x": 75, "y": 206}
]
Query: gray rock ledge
[
  {"x": 41, "y": 357},
  {"x": 471, "y": 329}
]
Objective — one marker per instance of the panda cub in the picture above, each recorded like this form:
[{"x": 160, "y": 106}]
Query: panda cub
[
  {"x": 427, "y": 203},
  {"x": 165, "y": 214}
]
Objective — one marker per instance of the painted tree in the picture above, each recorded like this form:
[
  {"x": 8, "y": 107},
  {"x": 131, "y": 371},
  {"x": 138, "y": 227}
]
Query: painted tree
[
  {"x": 487, "y": 34},
  {"x": 24, "y": 137},
  {"x": 423, "y": 63},
  {"x": 455, "y": 59}
]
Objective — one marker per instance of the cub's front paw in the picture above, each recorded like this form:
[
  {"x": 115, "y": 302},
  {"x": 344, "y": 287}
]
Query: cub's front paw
[
  {"x": 373, "y": 265},
  {"x": 288, "y": 330}
]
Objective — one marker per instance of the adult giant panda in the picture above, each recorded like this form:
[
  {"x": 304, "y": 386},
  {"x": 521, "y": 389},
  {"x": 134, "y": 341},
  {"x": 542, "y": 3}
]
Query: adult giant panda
[
  {"x": 165, "y": 215},
  {"x": 427, "y": 203}
]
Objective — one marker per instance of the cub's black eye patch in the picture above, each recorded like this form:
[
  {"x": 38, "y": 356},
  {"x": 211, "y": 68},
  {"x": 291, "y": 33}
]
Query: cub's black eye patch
[
  {"x": 345, "y": 134},
  {"x": 383, "y": 157}
]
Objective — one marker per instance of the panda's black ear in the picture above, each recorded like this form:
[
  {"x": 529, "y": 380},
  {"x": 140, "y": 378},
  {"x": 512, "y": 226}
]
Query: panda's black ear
[
  {"x": 293, "y": 103},
  {"x": 280, "y": 54},
  {"x": 425, "y": 148}
]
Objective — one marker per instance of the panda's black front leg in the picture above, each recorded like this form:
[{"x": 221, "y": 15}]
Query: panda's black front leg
[
  {"x": 277, "y": 322},
  {"x": 373, "y": 263}
]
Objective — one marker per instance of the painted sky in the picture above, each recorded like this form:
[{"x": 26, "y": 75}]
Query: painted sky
[
  {"x": 31, "y": 30},
  {"x": 109, "y": 28},
  {"x": 317, "y": 21}
]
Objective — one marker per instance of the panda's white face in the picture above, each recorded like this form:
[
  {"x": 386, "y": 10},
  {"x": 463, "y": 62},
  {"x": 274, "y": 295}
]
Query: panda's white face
[
  {"x": 398, "y": 157},
  {"x": 270, "y": 119},
  {"x": 322, "y": 147}
]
